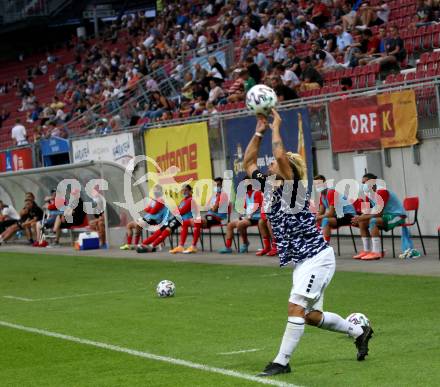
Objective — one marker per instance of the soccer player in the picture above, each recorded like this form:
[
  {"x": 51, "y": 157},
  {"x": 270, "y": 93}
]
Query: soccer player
[
  {"x": 327, "y": 217},
  {"x": 216, "y": 214},
  {"x": 8, "y": 217},
  {"x": 299, "y": 242},
  {"x": 391, "y": 215},
  {"x": 252, "y": 205},
  {"x": 154, "y": 212},
  {"x": 151, "y": 243}
]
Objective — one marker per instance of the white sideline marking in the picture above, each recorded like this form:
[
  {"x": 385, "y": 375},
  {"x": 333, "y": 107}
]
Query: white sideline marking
[
  {"x": 242, "y": 351},
  {"x": 147, "y": 355},
  {"x": 19, "y": 298},
  {"x": 70, "y": 296}
]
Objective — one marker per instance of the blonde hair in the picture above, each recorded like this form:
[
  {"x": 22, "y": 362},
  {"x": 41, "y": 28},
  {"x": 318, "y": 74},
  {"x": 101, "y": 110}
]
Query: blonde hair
[{"x": 298, "y": 165}]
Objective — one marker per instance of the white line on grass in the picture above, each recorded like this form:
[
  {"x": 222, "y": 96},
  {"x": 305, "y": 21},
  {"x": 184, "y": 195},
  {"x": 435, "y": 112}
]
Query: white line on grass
[
  {"x": 147, "y": 355},
  {"x": 69, "y": 296},
  {"x": 19, "y": 298},
  {"x": 242, "y": 351}
]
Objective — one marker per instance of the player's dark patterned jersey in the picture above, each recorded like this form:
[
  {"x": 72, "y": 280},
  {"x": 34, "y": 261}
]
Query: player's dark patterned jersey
[{"x": 293, "y": 224}]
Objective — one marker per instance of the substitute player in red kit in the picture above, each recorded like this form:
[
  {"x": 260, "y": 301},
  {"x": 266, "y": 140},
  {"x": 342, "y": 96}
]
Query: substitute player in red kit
[
  {"x": 218, "y": 212},
  {"x": 184, "y": 209},
  {"x": 155, "y": 212}
]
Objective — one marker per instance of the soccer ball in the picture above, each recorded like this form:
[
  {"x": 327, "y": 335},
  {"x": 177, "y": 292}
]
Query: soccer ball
[
  {"x": 261, "y": 99},
  {"x": 165, "y": 288},
  {"x": 358, "y": 319}
]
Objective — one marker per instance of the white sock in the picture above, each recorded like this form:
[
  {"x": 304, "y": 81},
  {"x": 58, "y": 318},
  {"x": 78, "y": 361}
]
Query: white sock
[
  {"x": 366, "y": 243},
  {"x": 333, "y": 322},
  {"x": 376, "y": 245},
  {"x": 292, "y": 336}
]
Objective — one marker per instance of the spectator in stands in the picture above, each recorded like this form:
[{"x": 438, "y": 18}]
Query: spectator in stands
[
  {"x": 266, "y": 30},
  {"x": 29, "y": 216},
  {"x": 288, "y": 77},
  {"x": 310, "y": 78},
  {"x": 355, "y": 50},
  {"x": 252, "y": 205},
  {"x": 8, "y": 216},
  {"x": 395, "y": 52},
  {"x": 424, "y": 13},
  {"x": 283, "y": 92},
  {"x": 61, "y": 86},
  {"x": 56, "y": 104},
  {"x": 217, "y": 71},
  {"x": 248, "y": 38},
  {"x": 43, "y": 67},
  {"x": 330, "y": 41},
  {"x": 200, "y": 74},
  {"x": 259, "y": 58},
  {"x": 247, "y": 83},
  {"x": 103, "y": 128},
  {"x": 216, "y": 93},
  {"x": 4, "y": 115},
  {"x": 343, "y": 39},
  {"x": 302, "y": 31},
  {"x": 158, "y": 105},
  {"x": 292, "y": 61},
  {"x": 324, "y": 60},
  {"x": 253, "y": 69},
  {"x": 74, "y": 215},
  {"x": 320, "y": 13},
  {"x": 19, "y": 134},
  {"x": 27, "y": 102},
  {"x": 279, "y": 53},
  {"x": 382, "y": 13},
  {"x": 228, "y": 29},
  {"x": 372, "y": 48}
]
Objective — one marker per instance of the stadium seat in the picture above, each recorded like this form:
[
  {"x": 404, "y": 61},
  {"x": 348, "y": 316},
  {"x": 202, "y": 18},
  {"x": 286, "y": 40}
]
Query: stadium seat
[
  {"x": 221, "y": 225},
  {"x": 411, "y": 205},
  {"x": 352, "y": 239}
]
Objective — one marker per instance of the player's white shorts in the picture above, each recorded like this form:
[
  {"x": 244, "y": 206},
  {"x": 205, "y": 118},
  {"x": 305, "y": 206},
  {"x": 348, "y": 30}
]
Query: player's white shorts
[{"x": 310, "y": 278}]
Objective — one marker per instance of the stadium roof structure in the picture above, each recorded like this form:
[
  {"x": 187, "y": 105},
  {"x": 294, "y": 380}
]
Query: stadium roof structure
[{"x": 40, "y": 181}]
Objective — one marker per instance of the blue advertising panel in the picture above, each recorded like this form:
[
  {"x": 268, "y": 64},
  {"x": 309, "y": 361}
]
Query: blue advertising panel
[{"x": 295, "y": 129}]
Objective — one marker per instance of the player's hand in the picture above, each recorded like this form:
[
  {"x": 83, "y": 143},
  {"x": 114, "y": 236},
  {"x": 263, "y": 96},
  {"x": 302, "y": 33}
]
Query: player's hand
[
  {"x": 262, "y": 123},
  {"x": 276, "y": 123},
  {"x": 355, "y": 220}
]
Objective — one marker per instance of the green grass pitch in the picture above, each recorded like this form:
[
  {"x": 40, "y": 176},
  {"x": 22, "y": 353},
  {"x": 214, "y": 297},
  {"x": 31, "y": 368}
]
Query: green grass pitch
[{"x": 217, "y": 309}]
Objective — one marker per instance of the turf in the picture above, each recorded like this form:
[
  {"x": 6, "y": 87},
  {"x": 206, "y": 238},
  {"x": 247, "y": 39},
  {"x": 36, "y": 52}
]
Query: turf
[{"x": 217, "y": 309}]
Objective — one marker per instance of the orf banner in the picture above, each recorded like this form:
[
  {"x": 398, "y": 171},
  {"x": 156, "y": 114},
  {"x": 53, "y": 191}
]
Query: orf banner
[
  {"x": 118, "y": 148},
  {"x": 295, "y": 131},
  {"x": 182, "y": 146},
  {"x": 388, "y": 120},
  {"x": 16, "y": 159}
]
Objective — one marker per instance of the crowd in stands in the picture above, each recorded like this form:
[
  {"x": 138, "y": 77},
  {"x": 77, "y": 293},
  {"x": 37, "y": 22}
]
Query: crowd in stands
[{"x": 295, "y": 46}]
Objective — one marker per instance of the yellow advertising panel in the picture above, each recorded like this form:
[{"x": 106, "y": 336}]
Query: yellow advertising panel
[
  {"x": 183, "y": 146},
  {"x": 399, "y": 118}
]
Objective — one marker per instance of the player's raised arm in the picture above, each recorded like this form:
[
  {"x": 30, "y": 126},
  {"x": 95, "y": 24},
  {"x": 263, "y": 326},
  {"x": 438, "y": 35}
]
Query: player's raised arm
[
  {"x": 251, "y": 153},
  {"x": 278, "y": 150}
]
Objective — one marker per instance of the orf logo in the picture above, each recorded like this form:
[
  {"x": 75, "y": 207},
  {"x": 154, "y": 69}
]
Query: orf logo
[{"x": 387, "y": 120}]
